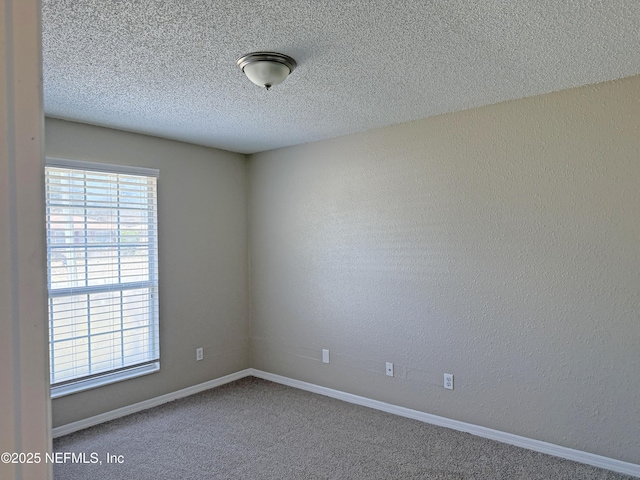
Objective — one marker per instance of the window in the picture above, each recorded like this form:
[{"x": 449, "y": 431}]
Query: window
[{"x": 102, "y": 273}]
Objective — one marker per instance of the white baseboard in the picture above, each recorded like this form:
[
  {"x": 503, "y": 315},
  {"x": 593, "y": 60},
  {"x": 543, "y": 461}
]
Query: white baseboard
[
  {"x": 152, "y": 402},
  {"x": 509, "y": 438}
]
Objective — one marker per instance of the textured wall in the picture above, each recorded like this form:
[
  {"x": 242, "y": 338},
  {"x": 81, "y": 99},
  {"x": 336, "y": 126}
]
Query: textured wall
[
  {"x": 500, "y": 244},
  {"x": 202, "y": 228}
]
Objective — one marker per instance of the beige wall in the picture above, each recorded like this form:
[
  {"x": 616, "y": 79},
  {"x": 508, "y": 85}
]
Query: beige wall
[
  {"x": 202, "y": 229},
  {"x": 500, "y": 244}
]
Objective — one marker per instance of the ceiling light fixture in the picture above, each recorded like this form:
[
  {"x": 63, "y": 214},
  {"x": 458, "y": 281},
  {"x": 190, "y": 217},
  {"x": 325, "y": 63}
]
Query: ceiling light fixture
[{"x": 266, "y": 69}]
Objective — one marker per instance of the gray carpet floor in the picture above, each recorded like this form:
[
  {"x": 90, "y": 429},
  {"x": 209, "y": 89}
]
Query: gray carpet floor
[{"x": 254, "y": 429}]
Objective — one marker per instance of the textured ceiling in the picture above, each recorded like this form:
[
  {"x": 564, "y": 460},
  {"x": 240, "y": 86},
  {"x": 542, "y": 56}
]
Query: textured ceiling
[{"x": 167, "y": 68}]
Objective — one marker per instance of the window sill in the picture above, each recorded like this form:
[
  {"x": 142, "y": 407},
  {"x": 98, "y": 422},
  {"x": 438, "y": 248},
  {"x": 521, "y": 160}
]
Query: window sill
[{"x": 64, "y": 390}]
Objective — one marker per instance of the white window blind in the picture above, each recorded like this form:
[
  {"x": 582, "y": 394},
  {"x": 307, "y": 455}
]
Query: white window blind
[{"x": 102, "y": 257}]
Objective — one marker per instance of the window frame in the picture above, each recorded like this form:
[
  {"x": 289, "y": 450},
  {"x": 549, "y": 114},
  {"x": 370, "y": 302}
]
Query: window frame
[{"x": 71, "y": 386}]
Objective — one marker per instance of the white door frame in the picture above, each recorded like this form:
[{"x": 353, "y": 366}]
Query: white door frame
[{"x": 25, "y": 416}]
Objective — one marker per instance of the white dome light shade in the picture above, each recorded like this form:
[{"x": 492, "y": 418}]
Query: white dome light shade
[
  {"x": 266, "y": 69},
  {"x": 266, "y": 74}
]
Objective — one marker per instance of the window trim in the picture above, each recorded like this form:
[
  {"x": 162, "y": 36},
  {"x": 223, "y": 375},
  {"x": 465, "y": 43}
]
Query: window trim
[
  {"x": 106, "y": 379},
  {"x": 125, "y": 373},
  {"x": 101, "y": 167}
]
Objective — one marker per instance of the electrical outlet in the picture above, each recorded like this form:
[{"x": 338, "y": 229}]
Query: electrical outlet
[
  {"x": 325, "y": 355},
  {"x": 448, "y": 381},
  {"x": 389, "y": 369},
  {"x": 199, "y": 354}
]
